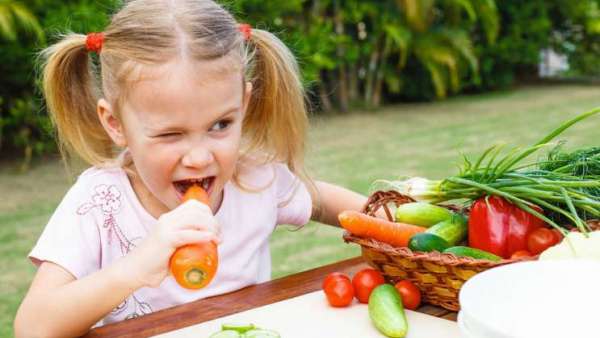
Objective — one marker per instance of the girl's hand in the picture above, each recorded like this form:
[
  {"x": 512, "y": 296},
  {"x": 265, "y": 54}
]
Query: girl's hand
[{"x": 191, "y": 222}]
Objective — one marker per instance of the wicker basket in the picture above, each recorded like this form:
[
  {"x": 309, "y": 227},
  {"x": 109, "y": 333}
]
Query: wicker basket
[{"x": 438, "y": 276}]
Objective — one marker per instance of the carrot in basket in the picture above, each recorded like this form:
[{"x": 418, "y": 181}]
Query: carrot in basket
[{"x": 359, "y": 224}]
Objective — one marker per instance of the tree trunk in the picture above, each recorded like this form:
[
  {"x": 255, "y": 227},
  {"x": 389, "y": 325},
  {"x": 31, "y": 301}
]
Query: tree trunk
[
  {"x": 377, "y": 93},
  {"x": 326, "y": 105},
  {"x": 342, "y": 86},
  {"x": 352, "y": 82},
  {"x": 371, "y": 73}
]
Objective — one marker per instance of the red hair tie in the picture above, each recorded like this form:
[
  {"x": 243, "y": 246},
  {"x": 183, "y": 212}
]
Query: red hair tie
[
  {"x": 93, "y": 42},
  {"x": 246, "y": 30}
]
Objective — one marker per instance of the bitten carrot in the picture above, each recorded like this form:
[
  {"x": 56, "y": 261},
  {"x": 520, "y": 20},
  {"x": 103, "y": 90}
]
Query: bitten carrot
[
  {"x": 359, "y": 224},
  {"x": 195, "y": 265}
]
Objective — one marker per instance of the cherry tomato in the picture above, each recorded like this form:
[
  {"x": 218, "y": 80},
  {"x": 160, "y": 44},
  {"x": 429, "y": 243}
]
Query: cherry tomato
[
  {"x": 331, "y": 277},
  {"x": 540, "y": 240},
  {"x": 339, "y": 292},
  {"x": 364, "y": 282},
  {"x": 411, "y": 295},
  {"x": 520, "y": 254}
]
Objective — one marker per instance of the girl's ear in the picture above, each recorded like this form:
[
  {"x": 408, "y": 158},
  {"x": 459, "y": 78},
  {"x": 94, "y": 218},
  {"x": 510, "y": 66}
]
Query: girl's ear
[
  {"x": 247, "y": 96},
  {"x": 111, "y": 123}
]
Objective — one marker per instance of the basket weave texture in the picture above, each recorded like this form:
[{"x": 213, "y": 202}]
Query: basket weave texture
[{"x": 439, "y": 276}]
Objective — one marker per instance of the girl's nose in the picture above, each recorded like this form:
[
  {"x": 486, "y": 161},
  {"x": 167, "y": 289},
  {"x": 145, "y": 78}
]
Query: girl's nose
[{"x": 197, "y": 157}]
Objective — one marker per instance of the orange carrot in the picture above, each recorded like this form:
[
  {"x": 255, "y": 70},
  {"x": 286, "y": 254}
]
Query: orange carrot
[
  {"x": 194, "y": 265},
  {"x": 359, "y": 224}
]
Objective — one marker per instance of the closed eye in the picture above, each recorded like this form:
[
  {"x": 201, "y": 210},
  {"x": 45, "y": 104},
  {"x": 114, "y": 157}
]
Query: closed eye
[{"x": 167, "y": 135}]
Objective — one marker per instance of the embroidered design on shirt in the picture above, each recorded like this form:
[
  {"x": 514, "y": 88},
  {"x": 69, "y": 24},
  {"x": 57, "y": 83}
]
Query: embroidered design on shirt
[
  {"x": 139, "y": 308},
  {"x": 108, "y": 199}
]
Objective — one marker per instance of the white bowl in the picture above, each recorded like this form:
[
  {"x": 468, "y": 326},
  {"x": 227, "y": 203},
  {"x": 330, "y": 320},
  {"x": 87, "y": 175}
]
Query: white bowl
[{"x": 533, "y": 299}]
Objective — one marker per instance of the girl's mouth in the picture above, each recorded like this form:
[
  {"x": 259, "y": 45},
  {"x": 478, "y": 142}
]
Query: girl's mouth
[{"x": 206, "y": 183}]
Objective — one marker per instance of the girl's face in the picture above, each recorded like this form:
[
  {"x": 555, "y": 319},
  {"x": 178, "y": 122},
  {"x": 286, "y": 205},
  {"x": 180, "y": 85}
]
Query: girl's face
[{"x": 182, "y": 124}]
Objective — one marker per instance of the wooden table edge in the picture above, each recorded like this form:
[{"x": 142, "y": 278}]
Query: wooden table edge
[{"x": 241, "y": 300}]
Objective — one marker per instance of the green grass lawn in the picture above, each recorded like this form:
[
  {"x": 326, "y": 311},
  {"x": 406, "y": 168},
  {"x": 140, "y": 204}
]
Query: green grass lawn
[{"x": 350, "y": 150}]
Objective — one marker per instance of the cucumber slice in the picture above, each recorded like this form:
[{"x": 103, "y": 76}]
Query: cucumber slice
[
  {"x": 241, "y": 328},
  {"x": 226, "y": 334},
  {"x": 261, "y": 333}
]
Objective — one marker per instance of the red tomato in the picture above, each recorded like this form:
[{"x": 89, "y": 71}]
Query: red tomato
[
  {"x": 364, "y": 282},
  {"x": 411, "y": 295},
  {"x": 540, "y": 240},
  {"x": 339, "y": 292},
  {"x": 520, "y": 254},
  {"x": 333, "y": 276}
]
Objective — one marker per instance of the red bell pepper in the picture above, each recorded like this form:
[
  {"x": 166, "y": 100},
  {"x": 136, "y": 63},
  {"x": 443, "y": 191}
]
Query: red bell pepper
[{"x": 500, "y": 227}]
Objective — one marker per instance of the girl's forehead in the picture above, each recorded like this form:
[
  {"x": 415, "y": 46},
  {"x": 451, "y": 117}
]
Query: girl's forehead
[{"x": 185, "y": 86}]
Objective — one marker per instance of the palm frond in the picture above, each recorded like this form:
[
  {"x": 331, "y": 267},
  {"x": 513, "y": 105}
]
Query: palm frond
[
  {"x": 467, "y": 6},
  {"x": 7, "y": 23},
  {"x": 401, "y": 37},
  {"x": 417, "y": 13},
  {"x": 28, "y": 21},
  {"x": 489, "y": 18},
  {"x": 461, "y": 43}
]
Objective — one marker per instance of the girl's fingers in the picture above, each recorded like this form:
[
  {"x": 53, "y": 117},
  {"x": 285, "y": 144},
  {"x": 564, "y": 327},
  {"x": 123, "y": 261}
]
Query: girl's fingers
[
  {"x": 184, "y": 237},
  {"x": 191, "y": 215}
]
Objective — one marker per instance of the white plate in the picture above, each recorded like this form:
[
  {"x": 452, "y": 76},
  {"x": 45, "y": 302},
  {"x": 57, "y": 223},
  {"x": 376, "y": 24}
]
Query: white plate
[{"x": 533, "y": 299}]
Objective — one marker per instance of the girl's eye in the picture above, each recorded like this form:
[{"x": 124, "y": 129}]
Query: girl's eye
[
  {"x": 167, "y": 135},
  {"x": 221, "y": 125}
]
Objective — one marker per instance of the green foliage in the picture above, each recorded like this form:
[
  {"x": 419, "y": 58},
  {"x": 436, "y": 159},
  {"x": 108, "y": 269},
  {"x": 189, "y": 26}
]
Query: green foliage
[
  {"x": 351, "y": 52},
  {"x": 25, "y": 128},
  {"x": 14, "y": 15},
  {"x": 525, "y": 30}
]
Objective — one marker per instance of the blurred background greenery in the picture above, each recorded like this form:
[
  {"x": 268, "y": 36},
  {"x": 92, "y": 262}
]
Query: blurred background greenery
[{"x": 353, "y": 53}]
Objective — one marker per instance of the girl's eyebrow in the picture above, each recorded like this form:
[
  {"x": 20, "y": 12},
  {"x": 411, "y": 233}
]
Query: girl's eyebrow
[{"x": 227, "y": 112}]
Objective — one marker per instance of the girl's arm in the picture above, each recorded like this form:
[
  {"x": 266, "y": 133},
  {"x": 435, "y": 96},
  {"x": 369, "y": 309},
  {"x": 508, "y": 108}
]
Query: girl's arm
[
  {"x": 335, "y": 199},
  {"x": 58, "y": 305}
]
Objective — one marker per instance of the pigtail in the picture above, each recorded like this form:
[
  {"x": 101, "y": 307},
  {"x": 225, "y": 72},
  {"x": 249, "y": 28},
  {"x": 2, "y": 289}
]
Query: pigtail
[
  {"x": 277, "y": 119},
  {"x": 71, "y": 95}
]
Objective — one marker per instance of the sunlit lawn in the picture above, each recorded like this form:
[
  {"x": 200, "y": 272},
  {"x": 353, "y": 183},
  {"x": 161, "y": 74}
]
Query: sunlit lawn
[{"x": 350, "y": 150}]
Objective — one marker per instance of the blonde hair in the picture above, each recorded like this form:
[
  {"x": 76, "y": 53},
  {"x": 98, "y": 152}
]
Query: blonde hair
[{"x": 152, "y": 32}]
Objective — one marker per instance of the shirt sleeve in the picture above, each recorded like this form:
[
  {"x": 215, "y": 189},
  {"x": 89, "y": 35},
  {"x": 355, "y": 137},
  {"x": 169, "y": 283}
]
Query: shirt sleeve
[
  {"x": 294, "y": 203},
  {"x": 71, "y": 238}
]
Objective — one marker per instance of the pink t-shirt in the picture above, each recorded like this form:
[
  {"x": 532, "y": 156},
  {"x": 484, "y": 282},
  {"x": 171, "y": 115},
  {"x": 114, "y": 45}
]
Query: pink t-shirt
[{"x": 100, "y": 220}]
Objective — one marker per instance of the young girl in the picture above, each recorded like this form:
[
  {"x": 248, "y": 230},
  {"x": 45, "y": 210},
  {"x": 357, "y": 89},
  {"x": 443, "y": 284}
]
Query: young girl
[{"x": 184, "y": 95}]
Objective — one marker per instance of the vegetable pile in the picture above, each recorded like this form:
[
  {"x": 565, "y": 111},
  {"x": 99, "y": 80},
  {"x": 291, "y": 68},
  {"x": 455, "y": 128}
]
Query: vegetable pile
[{"x": 511, "y": 208}]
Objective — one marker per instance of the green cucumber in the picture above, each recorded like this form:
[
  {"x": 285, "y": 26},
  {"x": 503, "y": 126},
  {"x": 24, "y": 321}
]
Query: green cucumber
[
  {"x": 261, "y": 333},
  {"x": 465, "y": 251},
  {"x": 453, "y": 230},
  {"x": 226, "y": 334},
  {"x": 387, "y": 312},
  {"x": 425, "y": 242},
  {"x": 241, "y": 328},
  {"x": 422, "y": 214}
]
